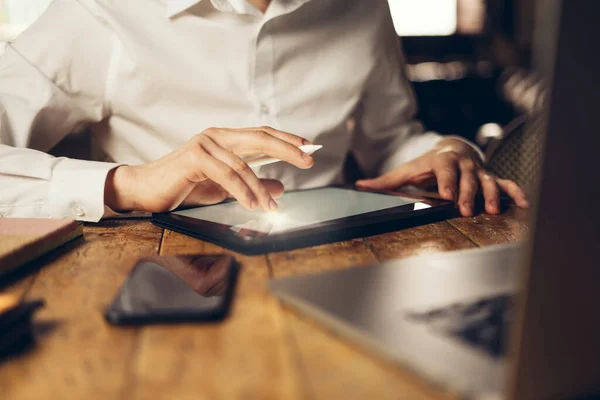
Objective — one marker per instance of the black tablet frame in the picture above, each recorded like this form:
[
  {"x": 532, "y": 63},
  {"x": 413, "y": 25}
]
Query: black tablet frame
[{"x": 361, "y": 225}]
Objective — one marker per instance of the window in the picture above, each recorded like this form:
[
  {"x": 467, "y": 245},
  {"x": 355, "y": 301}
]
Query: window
[
  {"x": 437, "y": 17},
  {"x": 17, "y": 15},
  {"x": 424, "y": 17}
]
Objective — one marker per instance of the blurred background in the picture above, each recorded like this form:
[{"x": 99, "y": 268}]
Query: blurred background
[
  {"x": 470, "y": 63},
  {"x": 16, "y": 15}
]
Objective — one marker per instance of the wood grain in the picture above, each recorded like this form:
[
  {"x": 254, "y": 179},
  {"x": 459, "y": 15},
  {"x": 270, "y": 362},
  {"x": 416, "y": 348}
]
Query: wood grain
[
  {"x": 262, "y": 351},
  {"x": 335, "y": 368},
  {"x": 78, "y": 354},
  {"x": 487, "y": 230},
  {"x": 321, "y": 258},
  {"x": 243, "y": 357},
  {"x": 431, "y": 238}
]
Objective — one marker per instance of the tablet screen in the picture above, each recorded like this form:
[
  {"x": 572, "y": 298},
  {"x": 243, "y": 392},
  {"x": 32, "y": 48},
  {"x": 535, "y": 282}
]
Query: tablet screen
[{"x": 298, "y": 210}]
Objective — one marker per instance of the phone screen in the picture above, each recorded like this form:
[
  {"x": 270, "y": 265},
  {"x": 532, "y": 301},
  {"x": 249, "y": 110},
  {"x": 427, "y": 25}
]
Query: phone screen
[{"x": 176, "y": 288}]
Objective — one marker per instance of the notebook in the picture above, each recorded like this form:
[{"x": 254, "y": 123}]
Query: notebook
[{"x": 24, "y": 239}]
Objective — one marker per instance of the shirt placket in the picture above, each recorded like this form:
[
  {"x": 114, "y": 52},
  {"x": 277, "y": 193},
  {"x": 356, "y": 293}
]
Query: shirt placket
[{"x": 266, "y": 106}]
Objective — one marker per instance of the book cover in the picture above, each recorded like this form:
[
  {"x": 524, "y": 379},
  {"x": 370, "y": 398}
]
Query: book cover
[{"x": 24, "y": 239}]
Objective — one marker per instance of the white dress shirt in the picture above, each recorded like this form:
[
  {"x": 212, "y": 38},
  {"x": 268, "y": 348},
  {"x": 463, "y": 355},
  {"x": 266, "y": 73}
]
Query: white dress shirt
[{"x": 147, "y": 75}]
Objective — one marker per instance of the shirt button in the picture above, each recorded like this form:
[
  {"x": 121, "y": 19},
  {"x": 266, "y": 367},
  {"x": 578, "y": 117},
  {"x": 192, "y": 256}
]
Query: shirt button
[
  {"x": 264, "y": 109},
  {"x": 78, "y": 210}
]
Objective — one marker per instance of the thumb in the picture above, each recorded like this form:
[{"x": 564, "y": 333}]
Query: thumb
[{"x": 391, "y": 180}]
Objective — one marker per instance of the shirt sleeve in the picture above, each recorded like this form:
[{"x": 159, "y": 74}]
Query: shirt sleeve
[
  {"x": 52, "y": 81},
  {"x": 386, "y": 133}
]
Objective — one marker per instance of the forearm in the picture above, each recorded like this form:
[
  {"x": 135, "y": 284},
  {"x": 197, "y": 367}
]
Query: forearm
[
  {"x": 408, "y": 147},
  {"x": 460, "y": 145}
]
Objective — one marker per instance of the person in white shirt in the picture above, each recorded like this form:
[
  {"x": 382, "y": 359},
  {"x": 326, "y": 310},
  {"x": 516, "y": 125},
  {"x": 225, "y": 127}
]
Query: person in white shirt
[{"x": 176, "y": 92}]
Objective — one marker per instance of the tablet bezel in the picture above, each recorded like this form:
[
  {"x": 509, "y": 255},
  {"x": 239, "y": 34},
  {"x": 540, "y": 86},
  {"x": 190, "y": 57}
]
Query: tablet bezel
[{"x": 366, "y": 224}]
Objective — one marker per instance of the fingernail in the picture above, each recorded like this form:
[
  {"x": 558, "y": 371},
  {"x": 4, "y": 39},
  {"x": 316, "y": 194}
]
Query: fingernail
[
  {"x": 307, "y": 157},
  {"x": 524, "y": 203},
  {"x": 493, "y": 203},
  {"x": 467, "y": 207},
  {"x": 273, "y": 205},
  {"x": 305, "y": 142},
  {"x": 253, "y": 204},
  {"x": 359, "y": 183},
  {"x": 450, "y": 192}
]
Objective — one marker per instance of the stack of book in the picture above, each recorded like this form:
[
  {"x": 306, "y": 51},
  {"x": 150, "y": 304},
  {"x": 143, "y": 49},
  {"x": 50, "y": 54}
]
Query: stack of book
[{"x": 24, "y": 239}]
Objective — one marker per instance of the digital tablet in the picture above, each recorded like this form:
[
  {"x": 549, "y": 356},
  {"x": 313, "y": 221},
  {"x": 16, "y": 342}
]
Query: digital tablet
[{"x": 305, "y": 218}]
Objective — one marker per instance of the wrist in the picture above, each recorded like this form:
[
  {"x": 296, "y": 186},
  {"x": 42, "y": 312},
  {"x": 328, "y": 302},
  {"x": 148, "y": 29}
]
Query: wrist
[
  {"x": 119, "y": 191},
  {"x": 460, "y": 146}
]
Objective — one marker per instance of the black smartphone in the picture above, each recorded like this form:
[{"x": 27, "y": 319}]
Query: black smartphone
[{"x": 181, "y": 288}]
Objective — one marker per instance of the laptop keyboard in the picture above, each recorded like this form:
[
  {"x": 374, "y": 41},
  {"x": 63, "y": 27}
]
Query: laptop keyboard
[{"x": 483, "y": 323}]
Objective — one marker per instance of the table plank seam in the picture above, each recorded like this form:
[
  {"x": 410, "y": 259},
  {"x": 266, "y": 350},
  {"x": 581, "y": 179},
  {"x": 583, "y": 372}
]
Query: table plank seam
[
  {"x": 465, "y": 234},
  {"x": 449, "y": 223},
  {"x": 308, "y": 390},
  {"x": 30, "y": 281},
  {"x": 270, "y": 270},
  {"x": 369, "y": 246},
  {"x": 160, "y": 242},
  {"x": 130, "y": 381}
]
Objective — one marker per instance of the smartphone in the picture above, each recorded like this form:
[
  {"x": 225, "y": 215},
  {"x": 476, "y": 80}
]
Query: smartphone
[{"x": 181, "y": 288}]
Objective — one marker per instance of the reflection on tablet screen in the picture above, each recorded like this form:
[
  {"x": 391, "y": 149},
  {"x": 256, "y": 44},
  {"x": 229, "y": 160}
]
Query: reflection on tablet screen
[{"x": 297, "y": 210}]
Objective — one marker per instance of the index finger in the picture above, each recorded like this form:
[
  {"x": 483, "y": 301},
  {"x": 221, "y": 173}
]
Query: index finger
[
  {"x": 261, "y": 141},
  {"x": 285, "y": 136},
  {"x": 447, "y": 179}
]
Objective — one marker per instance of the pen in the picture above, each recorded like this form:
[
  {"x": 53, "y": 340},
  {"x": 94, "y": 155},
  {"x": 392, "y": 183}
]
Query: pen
[{"x": 264, "y": 160}]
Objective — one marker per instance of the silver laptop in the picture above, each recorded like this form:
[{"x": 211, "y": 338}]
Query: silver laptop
[{"x": 515, "y": 321}]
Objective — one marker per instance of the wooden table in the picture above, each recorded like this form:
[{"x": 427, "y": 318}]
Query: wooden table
[{"x": 262, "y": 351}]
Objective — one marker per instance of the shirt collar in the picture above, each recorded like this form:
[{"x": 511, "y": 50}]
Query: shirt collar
[{"x": 175, "y": 7}]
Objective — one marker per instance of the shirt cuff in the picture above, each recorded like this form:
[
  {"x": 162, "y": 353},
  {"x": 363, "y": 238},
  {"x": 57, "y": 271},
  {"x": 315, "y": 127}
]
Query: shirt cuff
[
  {"x": 77, "y": 189},
  {"x": 473, "y": 145}
]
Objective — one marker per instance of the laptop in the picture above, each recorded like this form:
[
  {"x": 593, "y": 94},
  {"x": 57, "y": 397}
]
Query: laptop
[{"x": 517, "y": 321}]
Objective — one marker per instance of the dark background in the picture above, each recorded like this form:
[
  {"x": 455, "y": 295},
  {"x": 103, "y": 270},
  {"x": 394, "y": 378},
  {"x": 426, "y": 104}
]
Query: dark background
[{"x": 461, "y": 106}]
